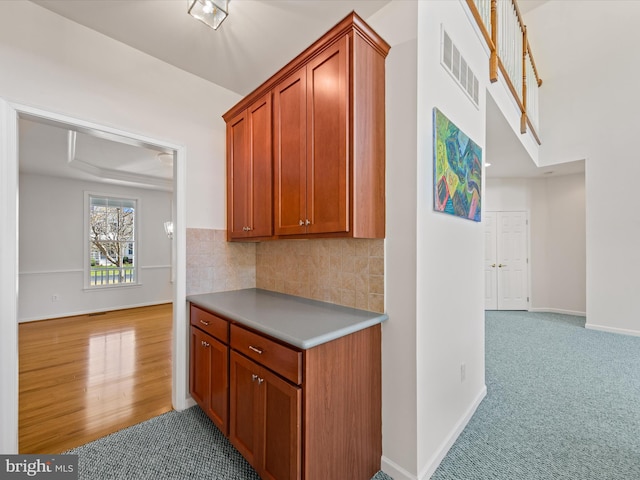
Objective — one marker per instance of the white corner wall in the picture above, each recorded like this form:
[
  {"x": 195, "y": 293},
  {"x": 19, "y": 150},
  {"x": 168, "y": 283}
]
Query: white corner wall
[
  {"x": 434, "y": 262},
  {"x": 397, "y": 24},
  {"x": 450, "y": 268},
  {"x": 590, "y": 110},
  {"x": 51, "y": 249}
]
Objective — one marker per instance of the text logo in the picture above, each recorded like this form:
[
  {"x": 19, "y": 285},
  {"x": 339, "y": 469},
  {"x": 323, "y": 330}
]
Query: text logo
[{"x": 45, "y": 467}]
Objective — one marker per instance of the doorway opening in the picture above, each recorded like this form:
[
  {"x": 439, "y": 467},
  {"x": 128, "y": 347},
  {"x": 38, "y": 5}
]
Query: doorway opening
[{"x": 10, "y": 117}]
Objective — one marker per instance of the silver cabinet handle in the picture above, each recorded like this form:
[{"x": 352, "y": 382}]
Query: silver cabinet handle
[
  {"x": 493, "y": 265},
  {"x": 204, "y": 323},
  {"x": 301, "y": 222},
  {"x": 500, "y": 265},
  {"x": 205, "y": 344},
  {"x": 260, "y": 380},
  {"x": 308, "y": 222},
  {"x": 255, "y": 349},
  {"x": 254, "y": 377}
]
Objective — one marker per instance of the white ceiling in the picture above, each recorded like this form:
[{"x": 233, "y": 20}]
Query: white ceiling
[
  {"x": 49, "y": 149},
  {"x": 254, "y": 42},
  {"x": 508, "y": 157}
]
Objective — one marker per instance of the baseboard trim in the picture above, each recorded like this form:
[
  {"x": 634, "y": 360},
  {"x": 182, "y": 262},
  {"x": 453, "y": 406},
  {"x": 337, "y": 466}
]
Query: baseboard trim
[
  {"x": 88, "y": 312},
  {"x": 622, "y": 331},
  {"x": 559, "y": 310},
  {"x": 429, "y": 469},
  {"x": 395, "y": 471}
]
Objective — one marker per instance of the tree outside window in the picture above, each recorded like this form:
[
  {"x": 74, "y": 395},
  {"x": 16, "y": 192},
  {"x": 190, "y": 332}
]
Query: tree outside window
[{"x": 112, "y": 237}]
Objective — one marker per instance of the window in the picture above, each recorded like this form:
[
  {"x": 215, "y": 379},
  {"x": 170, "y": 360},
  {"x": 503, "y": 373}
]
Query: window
[{"x": 112, "y": 241}]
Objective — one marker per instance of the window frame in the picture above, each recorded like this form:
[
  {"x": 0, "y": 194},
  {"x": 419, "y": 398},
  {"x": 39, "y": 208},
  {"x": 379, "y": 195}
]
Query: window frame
[{"x": 87, "y": 239}]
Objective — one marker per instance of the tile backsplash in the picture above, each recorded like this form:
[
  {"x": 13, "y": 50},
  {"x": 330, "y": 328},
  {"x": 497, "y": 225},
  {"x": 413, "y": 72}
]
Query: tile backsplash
[
  {"x": 346, "y": 272},
  {"x": 215, "y": 265}
]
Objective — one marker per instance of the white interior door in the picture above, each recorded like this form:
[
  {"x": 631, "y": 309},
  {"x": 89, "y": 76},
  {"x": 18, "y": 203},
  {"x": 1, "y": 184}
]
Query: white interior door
[{"x": 506, "y": 275}]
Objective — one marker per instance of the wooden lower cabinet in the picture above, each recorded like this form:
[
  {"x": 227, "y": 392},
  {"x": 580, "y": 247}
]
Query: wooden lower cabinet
[
  {"x": 265, "y": 419},
  {"x": 209, "y": 381},
  {"x": 294, "y": 414}
]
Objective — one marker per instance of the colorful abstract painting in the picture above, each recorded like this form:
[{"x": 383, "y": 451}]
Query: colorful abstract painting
[{"x": 457, "y": 164}]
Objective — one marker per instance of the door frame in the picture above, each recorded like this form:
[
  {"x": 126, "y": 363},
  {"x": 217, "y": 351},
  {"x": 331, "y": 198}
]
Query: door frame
[{"x": 9, "y": 211}]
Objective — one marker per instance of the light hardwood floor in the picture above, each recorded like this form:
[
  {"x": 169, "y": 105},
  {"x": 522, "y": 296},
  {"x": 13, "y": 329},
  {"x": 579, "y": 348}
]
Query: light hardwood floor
[{"x": 84, "y": 377}]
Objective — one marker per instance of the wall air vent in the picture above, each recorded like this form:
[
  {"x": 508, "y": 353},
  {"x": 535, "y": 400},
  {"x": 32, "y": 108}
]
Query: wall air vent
[{"x": 457, "y": 66}]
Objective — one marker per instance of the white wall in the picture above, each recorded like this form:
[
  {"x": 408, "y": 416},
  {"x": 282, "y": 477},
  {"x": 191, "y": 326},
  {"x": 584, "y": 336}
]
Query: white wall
[
  {"x": 431, "y": 258},
  {"x": 56, "y": 65},
  {"x": 52, "y": 63},
  {"x": 590, "y": 109},
  {"x": 450, "y": 271},
  {"x": 557, "y": 249},
  {"x": 398, "y": 26},
  {"x": 52, "y": 242}
]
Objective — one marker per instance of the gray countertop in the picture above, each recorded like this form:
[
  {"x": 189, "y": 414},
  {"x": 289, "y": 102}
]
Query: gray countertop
[{"x": 298, "y": 321}]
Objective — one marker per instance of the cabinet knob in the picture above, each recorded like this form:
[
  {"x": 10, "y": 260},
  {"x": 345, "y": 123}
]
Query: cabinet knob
[
  {"x": 254, "y": 377},
  {"x": 204, "y": 344},
  {"x": 301, "y": 223},
  {"x": 500, "y": 265},
  {"x": 206, "y": 324},
  {"x": 307, "y": 222},
  {"x": 255, "y": 349},
  {"x": 260, "y": 380}
]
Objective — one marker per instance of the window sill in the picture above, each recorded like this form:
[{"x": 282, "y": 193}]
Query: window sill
[{"x": 109, "y": 287}]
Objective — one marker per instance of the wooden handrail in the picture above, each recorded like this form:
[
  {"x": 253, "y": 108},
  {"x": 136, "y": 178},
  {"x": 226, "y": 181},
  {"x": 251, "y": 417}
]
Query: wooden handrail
[{"x": 490, "y": 34}]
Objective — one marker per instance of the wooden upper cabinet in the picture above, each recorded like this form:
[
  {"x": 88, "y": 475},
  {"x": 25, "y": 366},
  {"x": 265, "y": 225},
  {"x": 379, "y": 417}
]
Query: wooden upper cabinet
[
  {"x": 290, "y": 147},
  {"x": 328, "y": 136},
  {"x": 311, "y": 130},
  {"x": 250, "y": 172}
]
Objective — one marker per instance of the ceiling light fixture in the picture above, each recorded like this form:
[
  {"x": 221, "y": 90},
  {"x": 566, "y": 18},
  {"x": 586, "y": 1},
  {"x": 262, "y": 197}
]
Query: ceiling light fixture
[{"x": 210, "y": 12}]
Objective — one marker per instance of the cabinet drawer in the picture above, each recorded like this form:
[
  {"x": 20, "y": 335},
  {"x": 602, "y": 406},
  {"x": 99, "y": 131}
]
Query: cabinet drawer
[
  {"x": 215, "y": 326},
  {"x": 283, "y": 360}
]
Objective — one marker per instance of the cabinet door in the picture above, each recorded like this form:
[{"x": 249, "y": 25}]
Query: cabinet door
[
  {"x": 265, "y": 420},
  {"x": 260, "y": 168},
  {"x": 238, "y": 184},
  {"x": 209, "y": 377},
  {"x": 250, "y": 170},
  {"x": 281, "y": 452},
  {"x": 244, "y": 414},
  {"x": 218, "y": 401},
  {"x": 199, "y": 370},
  {"x": 289, "y": 131},
  {"x": 327, "y": 140}
]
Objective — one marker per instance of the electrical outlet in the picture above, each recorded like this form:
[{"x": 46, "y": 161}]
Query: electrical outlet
[
  {"x": 463, "y": 372},
  {"x": 55, "y": 297}
]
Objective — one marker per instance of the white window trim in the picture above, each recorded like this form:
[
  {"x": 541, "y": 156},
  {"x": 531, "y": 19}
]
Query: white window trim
[{"x": 87, "y": 246}]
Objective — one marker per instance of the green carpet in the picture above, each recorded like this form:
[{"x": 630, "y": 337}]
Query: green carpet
[
  {"x": 174, "y": 446},
  {"x": 562, "y": 403}
]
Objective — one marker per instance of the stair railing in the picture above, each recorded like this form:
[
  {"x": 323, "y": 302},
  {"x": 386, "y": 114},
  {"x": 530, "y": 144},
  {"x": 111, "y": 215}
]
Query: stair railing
[{"x": 504, "y": 31}]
